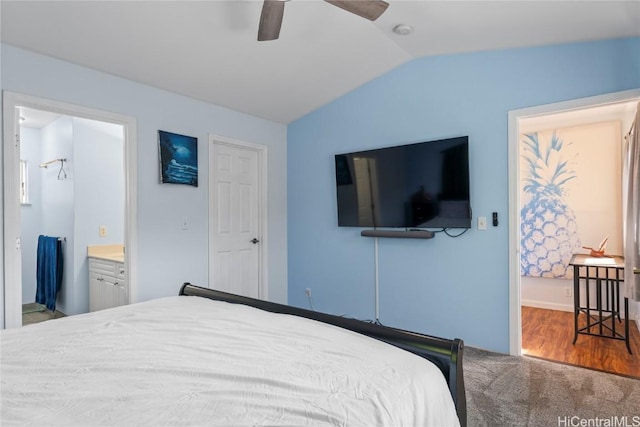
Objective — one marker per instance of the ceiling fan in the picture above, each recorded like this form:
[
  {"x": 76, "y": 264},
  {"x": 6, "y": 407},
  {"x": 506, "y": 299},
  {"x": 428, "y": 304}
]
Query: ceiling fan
[{"x": 273, "y": 10}]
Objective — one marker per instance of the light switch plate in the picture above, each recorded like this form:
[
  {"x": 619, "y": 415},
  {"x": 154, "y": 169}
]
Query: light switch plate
[{"x": 482, "y": 223}]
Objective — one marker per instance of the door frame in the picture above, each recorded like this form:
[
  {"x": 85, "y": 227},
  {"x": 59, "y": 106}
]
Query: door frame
[
  {"x": 515, "y": 313},
  {"x": 262, "y": 152},
  {"x": 11, "y": 298}
]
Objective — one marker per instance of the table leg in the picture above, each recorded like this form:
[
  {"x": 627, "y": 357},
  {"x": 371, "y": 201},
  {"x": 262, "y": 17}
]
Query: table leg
[
  {"x": 587, "y": 299},
  {"x": 599, "y": 303},
  {"x": 576, "y": 301},
  {"x": 617, "y": 292}
]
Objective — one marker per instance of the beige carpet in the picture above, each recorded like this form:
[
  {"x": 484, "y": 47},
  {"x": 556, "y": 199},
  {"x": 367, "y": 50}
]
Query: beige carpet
[{"x": 513, "y": 391}]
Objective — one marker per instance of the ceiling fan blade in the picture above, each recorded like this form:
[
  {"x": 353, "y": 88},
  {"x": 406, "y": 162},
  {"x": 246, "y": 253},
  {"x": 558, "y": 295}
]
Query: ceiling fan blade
[
  {"x": 270, "y": 20},
  {"x": 370, "y": 9}
]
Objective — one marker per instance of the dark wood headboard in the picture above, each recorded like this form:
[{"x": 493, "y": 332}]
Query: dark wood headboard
[{"x": 445, "y": 354}]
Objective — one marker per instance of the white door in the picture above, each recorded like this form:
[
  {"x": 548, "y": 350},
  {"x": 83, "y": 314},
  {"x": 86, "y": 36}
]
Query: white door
[{"x": 236, "y": 203}]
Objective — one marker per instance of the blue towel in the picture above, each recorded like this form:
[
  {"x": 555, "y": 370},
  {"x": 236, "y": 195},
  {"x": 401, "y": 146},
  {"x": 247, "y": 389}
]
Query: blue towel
[{"x": 49, "y": 271}]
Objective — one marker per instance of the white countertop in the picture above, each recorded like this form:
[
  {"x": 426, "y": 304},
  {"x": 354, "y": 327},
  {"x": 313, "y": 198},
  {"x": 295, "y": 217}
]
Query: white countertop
[{"x": 106, "y": 252}]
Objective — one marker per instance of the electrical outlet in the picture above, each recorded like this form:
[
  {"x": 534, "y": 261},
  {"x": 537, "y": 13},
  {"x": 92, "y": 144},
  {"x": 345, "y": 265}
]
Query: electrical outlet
[
  {"x": 102, "y": 231},
  {"x": 307, "y": 292},
  {"x": 568, "y": 292}
]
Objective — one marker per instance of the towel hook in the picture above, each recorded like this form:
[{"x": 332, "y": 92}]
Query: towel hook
[{"x": 62, "y": 170}]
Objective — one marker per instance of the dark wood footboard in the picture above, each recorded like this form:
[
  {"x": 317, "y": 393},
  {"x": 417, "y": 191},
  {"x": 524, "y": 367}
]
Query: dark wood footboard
[{"x": 445, "y": 354}]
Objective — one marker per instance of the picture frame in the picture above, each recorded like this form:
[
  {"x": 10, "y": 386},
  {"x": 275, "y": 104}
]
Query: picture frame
[{"x": 178, "y": 158}]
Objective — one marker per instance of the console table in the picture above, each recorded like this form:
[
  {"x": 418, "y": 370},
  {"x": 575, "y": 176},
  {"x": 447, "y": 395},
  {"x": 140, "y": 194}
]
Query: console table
[{"x": 606, "y": 273}]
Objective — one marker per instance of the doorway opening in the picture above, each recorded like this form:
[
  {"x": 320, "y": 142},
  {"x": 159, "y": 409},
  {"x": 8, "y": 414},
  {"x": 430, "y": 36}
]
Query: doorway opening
[
  {"x": 74, "y": 183},
  {"x": 543, "y": 297},
  {"x": 69, "y": 170}
]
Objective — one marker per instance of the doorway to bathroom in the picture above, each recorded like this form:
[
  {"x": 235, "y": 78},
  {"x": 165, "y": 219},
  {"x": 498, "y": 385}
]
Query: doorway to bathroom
[
  {"x": 71, "y": 190},
  {"x": 85, "y": 192}
]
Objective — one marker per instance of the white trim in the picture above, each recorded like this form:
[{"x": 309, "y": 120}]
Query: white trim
[
  {"x": 11, "y": 100},
  {"x": 515, "y": 315},
  {"x": 262, "y": 152},
  {"x": 12, "y": 259},
  {"x": 559, "y": 307},
  {"x": 546, "y": 305}
]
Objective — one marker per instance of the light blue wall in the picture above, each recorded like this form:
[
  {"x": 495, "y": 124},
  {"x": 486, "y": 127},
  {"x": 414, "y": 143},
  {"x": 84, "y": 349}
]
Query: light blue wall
[
  {"x": 450, "y": 287},
  {"x": 167, "y": 255}
]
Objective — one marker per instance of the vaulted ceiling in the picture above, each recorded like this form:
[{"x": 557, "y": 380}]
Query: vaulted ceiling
[{"x": 208, "y": 50}]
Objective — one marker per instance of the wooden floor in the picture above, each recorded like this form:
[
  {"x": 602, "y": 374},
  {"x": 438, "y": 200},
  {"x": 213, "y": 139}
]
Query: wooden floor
[{"x": 548, "y": 334}]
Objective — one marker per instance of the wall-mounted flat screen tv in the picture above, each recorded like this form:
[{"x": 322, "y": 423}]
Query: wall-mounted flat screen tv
[{"x": 422, "y": 185}]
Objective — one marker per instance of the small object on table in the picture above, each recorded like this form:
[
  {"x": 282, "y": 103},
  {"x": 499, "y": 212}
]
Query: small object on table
[{"x": 598, "y": 253}]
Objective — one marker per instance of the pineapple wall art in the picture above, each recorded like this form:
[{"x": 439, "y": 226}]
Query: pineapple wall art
[
  {"x": 570, "y": 195},
  {"x": 549, "y": 230}
]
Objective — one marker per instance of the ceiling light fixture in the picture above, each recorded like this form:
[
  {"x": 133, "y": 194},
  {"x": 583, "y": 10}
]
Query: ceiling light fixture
[{"x": 402, "y": 29}]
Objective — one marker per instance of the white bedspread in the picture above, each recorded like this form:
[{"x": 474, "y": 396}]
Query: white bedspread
[{"x": 192, "y": 361}]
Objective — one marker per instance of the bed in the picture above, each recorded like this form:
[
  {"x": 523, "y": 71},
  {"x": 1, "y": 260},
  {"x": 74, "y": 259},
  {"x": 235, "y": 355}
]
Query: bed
[{"x": 206, "y": 357}]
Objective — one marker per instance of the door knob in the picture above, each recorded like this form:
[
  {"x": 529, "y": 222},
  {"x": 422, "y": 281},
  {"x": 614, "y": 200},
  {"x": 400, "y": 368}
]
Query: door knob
[{"x": 254, "y": 240}]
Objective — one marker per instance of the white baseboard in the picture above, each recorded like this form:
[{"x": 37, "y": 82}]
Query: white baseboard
[
  {"x": 547, "y": 305},
  {"x": 569, "y": 308}
]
